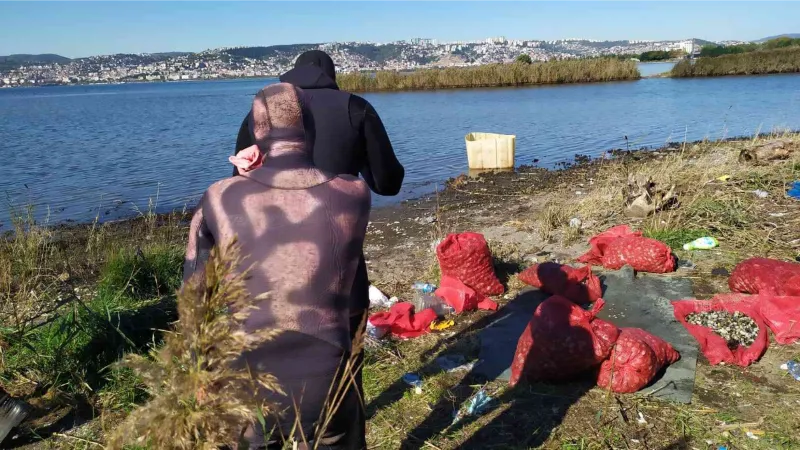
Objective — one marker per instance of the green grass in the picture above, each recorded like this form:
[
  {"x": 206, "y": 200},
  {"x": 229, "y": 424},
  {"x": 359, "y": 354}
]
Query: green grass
[
  {"x": 675, "y": 237},
  {"x": 493, "y": 75}
]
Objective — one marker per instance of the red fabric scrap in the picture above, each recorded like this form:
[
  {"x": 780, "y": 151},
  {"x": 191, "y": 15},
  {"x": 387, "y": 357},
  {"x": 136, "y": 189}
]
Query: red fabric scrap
[
  {"x": 782, "y": 316},
  {"x": 620, "y": 246},
  {"x": 466, "y": 256},
  {"x": 461, "y": 297},
  {"x": 714, "y": 346},
  {"x": 766, "y": 276},
  {"x": 578, "y": 285},
  {"x": 403, "y": 322},
  {"x": 636, "y": 359},
  {"x": 562, "y": 340}
]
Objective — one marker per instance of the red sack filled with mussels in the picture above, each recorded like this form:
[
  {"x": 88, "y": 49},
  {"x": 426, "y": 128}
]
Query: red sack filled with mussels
[
  {"x": 466, "y": 256},
  {"x": 579, "y": 285},
  {"x": 621, "y": 246},
  {"x": 636, "y": 359},
  {"x": 562, "y": 341}
]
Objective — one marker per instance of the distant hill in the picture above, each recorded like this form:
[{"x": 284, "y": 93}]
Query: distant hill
[
  {"x": 47, "y": 58},
  {"x": 269, "y": 52},
  {"x": 789, "y": 35}
]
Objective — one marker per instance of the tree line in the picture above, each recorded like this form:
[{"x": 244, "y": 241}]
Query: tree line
[{"x": 713, "y": 51}]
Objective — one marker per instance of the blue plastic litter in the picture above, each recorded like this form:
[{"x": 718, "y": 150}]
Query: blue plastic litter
[
  {"x": 794, "y": 192},
  {"x": 476, "y": 406},
  {"x": 412, "y": 379}
]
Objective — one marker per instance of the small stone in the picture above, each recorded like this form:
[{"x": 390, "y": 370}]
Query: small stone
[{"x": 720, "y": 272}]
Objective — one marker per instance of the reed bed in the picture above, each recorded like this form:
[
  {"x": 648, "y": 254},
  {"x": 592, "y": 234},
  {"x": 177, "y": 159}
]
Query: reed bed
[
  {"x": 493, "y": 75},
  {"x": 782, "y": 60}
]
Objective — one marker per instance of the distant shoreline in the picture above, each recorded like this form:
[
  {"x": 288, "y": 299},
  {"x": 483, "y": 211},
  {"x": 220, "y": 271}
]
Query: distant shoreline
[{"x": 100, "y": 83}]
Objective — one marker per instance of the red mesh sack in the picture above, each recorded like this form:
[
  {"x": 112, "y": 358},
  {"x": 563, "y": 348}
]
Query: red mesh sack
[
  {"x": 636, "y": 359},
  {"x": 620, "y": 246},
  {"x": 782, "y": 316},
  {"x": 562, "y": 340},
  {"x": 766, "y": 276},
  {"x": 466, "y": 256},
  {"x": 462, "y": 297},
  {"x": 714, "y": 346},
  {"x": 578, "y": 285}
]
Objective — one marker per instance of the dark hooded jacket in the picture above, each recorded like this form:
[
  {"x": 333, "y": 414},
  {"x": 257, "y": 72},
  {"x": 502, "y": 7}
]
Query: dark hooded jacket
[{"x": 348, "y": 137}]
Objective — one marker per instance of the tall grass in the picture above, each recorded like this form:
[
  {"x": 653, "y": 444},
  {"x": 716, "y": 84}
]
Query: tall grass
[
  {"x": 200, "y": 399},
  {"x": 493, "y": 75},
  {"x": 782, "y": 60}
]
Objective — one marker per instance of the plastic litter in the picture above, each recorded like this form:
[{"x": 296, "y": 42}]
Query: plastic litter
[
  {"x": 414, "y": 381},
  {"x": 441, "y": 325},
  {"x": 461, "y": 297},
  {"x": 475, "y": 407},
  {"x": 454, "y": 363},
  {"x": 378, "y": 299},
  {"x": 685, "y": 264},
  {"x": 575, "y": 222},
  {"x": 793, "y": 367},
  {"x": 376, "y": 332},
  {"x": 403, "y": 322},
  {"x": 437, "y": 304},
  {"x": 724, "y": 178},
  {"x": 761, "y": 194},
  {"x": 794, "y": 191},
  {"x": 425, "y": 288},
  {"x": 766, "y": 276},
  {"x": 703, "y": 243}
]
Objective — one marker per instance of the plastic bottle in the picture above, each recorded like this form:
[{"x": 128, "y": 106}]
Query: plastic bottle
[
  {"x": 704, "y": 243},
  {"x": 425, "y": 288},
  {"x": 425, "y": 301},
  {"x": 793, "y": 367}
]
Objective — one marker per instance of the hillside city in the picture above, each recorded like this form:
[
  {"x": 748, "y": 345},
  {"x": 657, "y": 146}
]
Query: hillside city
[{"x": 349, "y": 57}]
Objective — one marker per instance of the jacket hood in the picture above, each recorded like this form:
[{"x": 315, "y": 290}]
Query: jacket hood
[{"x": 309, "y": 77}]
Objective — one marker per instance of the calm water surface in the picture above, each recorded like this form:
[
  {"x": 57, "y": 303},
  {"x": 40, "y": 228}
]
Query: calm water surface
[{"x": 76, "y": 152}]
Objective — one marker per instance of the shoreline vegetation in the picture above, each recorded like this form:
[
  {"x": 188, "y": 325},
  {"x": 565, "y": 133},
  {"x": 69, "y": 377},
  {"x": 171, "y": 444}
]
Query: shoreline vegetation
[
  {"x": 759, "y": 62},
  {"x": 75, "y": 300},
  {"x": 493, "y": 75}
]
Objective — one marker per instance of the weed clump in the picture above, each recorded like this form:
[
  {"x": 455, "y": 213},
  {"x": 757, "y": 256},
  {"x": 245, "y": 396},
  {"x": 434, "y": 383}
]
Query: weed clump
[{"x": 200, "y": 400}]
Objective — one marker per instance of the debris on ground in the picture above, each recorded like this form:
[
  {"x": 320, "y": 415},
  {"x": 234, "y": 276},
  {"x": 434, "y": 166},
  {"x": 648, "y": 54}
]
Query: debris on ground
[
  {"x": 460, "y": 298},
  {"x": 441, "y": 325},
  {"x": 403, "y": 321},
  {"x": 720, "y": 272},
  {"x": 414, "y": 381},
  {"x": 703, "y": 243},
  {"x": 378, "y": 299},
  {"x": 793, "y": 367},
  {"x": 770, "y": 151},
  {"x": 794, "y": 191},
  {"x": 475, "y": 406},
  {"x": 685, "y": 264},
  {"x": 736, "y": 328},
  {"x": 454, "y": 363},
  {"x": 761, "y": 193},
  {"x": 642, "y": 198}
]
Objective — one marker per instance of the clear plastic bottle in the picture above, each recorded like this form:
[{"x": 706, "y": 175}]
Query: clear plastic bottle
[
  {"x": 425, "y": 288},
  {"x": 793, "y": 367},
  {"x": 424, "y": 301}
]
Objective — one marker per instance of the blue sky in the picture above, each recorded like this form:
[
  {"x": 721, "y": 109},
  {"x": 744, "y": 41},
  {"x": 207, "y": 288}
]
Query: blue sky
[{"x": 89, "y": 28}]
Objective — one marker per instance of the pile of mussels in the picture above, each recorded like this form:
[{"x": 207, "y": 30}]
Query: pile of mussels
[{"x": 736, "y": 328}]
